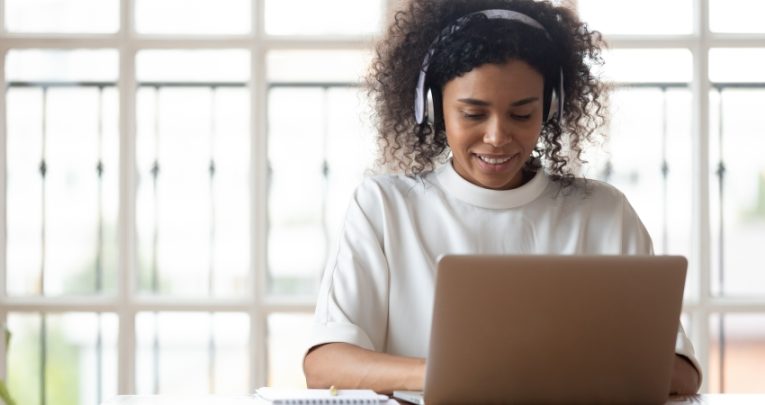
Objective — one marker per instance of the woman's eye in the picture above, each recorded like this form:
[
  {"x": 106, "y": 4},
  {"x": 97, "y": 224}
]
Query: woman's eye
[
  {"x": 472, "y": 116},
  {"x": 521, "y": 117}
]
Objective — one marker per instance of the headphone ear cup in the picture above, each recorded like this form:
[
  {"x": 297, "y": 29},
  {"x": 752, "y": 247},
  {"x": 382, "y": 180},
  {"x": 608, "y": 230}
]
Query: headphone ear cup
[
  {"x": 556, "y": 99},
  {"x": 552, "y": 106},
  {"x": 430, "y": 107}
]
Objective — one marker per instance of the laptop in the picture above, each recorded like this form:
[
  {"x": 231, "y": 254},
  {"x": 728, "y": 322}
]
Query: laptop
[{"x": 553, "y": 329}]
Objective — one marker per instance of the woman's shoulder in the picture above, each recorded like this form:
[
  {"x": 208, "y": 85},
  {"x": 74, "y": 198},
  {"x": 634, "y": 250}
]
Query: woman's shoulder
[
  {"x": 394, "y": 183},
  {"x": 594, "y": 194}
]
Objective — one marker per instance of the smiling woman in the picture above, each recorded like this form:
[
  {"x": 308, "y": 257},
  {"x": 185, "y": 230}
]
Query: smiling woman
[{"x": 514, "y": 104}]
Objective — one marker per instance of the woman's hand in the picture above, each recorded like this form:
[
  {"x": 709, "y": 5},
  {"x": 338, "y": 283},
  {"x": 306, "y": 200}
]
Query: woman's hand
[{"x": 348, "y": 366}]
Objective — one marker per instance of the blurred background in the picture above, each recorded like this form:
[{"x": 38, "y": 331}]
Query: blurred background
[{"x": 175, "y": 172}]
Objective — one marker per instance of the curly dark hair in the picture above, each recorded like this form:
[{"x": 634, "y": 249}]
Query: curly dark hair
[{"x": 570, "y": 48}]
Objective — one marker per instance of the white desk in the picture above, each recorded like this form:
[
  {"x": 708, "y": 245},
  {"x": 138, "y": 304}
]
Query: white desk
[{"x": 706, "y": 399}]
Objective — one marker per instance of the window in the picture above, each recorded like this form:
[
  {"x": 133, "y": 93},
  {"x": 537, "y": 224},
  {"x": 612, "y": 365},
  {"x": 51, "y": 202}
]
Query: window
[
  {"x": 683, "y": 145},
  {"x": 151, "y": 206},
  {"x": 175, "y": 173}
]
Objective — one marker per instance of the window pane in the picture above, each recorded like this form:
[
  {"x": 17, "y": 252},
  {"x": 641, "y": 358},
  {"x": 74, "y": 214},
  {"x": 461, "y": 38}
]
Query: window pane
[
  {"x": 335, "y": 150},
  {"x": 737, "y": 353},
  {"x": 62, "y": 167},
  {"x": 47, "y": 65},
  {"x": 336, "y": 147},
  {"x": 225, "y": 66},
  {"x": 738, "y": 202},
  {"x": 62, "y": 16},
  {"x": 192, "y": 152},
  {"x": 646, "y": 17},
  {"x": 192, "y": 353},
  {"x": 736, "y": 65},
  {"x": 736, "y": 16},
  {"x": 648, "y": 157},
  {"x": 80, "y": 359},
  {"x": 647, "y": 66},
  {"x": 330, "y": 17},
  {"x": 648, "y": 149},
  {"x": 305, "y": 66},
  {"x": 192, "y": 16},
  {"x": 296, "y": 214},
  {"x": 287, "y": 340}
]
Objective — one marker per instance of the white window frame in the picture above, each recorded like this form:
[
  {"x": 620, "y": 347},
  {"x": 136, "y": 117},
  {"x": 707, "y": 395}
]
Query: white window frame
[{"x": 126, "y": 303}]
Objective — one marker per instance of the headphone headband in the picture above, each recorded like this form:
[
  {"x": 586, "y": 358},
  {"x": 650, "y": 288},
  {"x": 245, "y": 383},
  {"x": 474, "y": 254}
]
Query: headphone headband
[{"x": 420, "y": 98}]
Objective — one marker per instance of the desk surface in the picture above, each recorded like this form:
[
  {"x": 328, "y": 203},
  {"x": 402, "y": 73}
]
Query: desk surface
[{"x": 706, "y": 399}]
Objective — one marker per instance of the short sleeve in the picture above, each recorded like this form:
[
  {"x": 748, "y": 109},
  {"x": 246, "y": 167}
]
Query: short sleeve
[
  {"x": 684, "y": 347},
  {"x": 352, "y": 305},
  {"x": 635, "y": 238}
]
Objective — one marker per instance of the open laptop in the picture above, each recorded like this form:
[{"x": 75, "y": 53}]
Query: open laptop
[{"x": 553, "y": 329}]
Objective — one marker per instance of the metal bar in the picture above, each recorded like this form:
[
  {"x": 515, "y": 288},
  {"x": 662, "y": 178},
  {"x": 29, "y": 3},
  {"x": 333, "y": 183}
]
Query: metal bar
[
  {"x": 100, "y": 193},
  {"x": 211, "y": 189},
  {"x": 664, "y": 173},
  {"x": 60, "y": 84},
  {"x": 155, "y": 198},
  {"x": 721, "y": 236},
  {"x": 721, "y": 192},
  {"x": 325, "y": 175},
  {"x": 739, "y": 85},
  {"x": 43, "y": 170},
  {"x": 155, "y": 242},
  {"x": 322, "y": 85},
  {"x": 99, "y": 250},
  {"x": 211, "y": 264},
  {"x": 651, "y": 85}
]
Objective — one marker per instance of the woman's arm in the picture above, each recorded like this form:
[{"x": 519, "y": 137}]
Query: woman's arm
[
  {"x": 348, "y": 366},
  {"x": 685, "y": 377}
]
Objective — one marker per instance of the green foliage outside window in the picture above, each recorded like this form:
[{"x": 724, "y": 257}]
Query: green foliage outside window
[{"x": 4, "y": 394}]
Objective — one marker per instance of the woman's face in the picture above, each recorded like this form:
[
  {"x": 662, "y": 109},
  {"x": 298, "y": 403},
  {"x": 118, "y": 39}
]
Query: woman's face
[{"x": 493, "y": 118}]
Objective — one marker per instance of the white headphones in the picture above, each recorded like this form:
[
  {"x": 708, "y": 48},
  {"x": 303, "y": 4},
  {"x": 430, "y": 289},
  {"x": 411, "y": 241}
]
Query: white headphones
[{"x": 420, "y": 97}]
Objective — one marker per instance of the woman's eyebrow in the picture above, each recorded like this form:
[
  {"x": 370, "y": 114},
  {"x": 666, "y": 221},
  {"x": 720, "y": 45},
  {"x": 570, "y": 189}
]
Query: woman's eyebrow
[
  {"x": 482, "y": 103},
  {"x": 524, "y": 101},
  {"x": 474, "y": 101}
]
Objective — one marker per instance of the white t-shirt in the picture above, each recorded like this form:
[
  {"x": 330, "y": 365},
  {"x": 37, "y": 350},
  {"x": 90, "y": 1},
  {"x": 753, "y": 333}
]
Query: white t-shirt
[{"x": 377, "y": 290}]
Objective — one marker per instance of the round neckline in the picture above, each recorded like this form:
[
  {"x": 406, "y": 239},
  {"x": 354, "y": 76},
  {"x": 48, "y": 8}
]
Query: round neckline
[{"x": 463, "y": 190}]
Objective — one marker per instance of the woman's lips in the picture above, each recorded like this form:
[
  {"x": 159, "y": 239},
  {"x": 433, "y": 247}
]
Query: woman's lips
[{"x": 495, "y": 163}]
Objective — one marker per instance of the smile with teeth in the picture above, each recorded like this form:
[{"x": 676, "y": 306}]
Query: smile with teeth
[{"x": 494, "y": 160}]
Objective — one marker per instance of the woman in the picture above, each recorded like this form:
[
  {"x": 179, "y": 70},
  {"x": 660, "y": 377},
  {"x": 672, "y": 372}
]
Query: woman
[{"x": 513, "y": 104}]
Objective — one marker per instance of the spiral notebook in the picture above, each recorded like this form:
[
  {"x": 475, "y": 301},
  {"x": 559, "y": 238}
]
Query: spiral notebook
[{"x": 280, "y": 396}]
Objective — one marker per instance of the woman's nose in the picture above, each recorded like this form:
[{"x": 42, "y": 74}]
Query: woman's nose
[{"x": 497, "y": 133}]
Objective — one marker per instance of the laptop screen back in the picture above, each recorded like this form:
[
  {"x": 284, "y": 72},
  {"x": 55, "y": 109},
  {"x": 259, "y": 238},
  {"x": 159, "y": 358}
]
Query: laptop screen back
[{"x": 554, "y": 329}]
